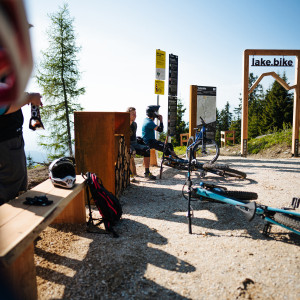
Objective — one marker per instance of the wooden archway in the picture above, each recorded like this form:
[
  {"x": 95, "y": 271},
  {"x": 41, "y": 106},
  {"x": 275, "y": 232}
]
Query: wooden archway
[{"x": 247, "y": 91}]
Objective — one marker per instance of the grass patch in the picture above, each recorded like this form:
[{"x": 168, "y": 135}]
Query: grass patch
[{"x": 264, "y": 142}]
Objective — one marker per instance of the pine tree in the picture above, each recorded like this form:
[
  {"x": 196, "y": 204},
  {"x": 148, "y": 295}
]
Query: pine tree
[
  {"x": 58, "y": 76},
  {"x": 278, "y": 107},
  {"x": 236, "y": 121},
  {"x": 223, "y": 121},
  {"x": 255, "y": 108},
  {"x": 181, "y": 126}
]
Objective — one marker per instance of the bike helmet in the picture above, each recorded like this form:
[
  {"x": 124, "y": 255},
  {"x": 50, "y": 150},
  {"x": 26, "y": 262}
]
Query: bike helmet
[
  {"x": 152, "y": 111},
  {"x": 62, "y": 172},
  {"x": 15, "y": 52}
]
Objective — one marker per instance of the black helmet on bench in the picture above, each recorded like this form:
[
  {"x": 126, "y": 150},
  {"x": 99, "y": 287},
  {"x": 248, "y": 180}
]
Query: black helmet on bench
[
  {"x": 62, "y": 172},
  {"x": 152, "y": 111}
]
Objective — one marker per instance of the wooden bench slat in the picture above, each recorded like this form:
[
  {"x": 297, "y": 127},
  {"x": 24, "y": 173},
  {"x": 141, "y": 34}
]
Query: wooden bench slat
[{"x": 21, "y": 224}]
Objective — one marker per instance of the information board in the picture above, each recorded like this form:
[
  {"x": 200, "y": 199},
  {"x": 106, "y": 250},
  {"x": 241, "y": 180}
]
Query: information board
[{"x": 206, "y": 104}]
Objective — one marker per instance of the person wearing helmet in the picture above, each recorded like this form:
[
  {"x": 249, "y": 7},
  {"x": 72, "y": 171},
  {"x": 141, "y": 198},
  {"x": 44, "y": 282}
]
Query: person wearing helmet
[
  {"x": 140, "y": 149},
  {"x": 148, "y": 131},
  {"x": 62, "y": 172}
]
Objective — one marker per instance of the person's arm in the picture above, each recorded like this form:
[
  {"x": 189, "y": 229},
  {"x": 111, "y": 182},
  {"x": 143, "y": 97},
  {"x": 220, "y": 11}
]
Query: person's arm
[
  {"x": 33, "y": 98},
  {"x": 160, "y": 128}
]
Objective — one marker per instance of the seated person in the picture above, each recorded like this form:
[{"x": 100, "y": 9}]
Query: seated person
[
  {"x": 148, "y": 133},
  {"x": 140, "y": 149}
]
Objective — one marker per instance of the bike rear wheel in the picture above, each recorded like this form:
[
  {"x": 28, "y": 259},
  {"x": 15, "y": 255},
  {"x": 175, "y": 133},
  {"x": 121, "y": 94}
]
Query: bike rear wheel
[
  {"x": 209, "y": 153},
  {"x": 233, "y": 173},
  {"x": 288, "y": 220},
  {"x": 224, "y": 170}
]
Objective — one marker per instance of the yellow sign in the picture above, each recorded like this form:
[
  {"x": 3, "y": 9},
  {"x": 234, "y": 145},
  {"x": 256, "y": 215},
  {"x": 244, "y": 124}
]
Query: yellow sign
[
  {"x": 160, "y": 65},
  {"x": 159, "y": 87},
  {"x": 160, "y": 59}
]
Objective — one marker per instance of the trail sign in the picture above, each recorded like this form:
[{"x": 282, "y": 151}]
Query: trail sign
[
  {"x": 160, "y": 71},
  {"x": 159, "y": 87}
]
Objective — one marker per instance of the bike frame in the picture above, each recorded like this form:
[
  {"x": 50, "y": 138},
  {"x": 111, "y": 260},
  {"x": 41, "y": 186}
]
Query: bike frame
[
  {"x": 199, "y": 136},
  {"x": 260, "y": 210}
]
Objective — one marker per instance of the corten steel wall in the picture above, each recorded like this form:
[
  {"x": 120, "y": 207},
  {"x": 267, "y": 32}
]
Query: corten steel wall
[{"x": 95, "y": 143}]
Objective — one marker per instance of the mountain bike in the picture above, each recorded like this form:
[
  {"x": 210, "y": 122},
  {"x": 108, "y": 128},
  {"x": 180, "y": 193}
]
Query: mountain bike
[
  {"x": 203, "y": 168},
  {"x": 285, "y": 217},
  {"x": 204, "y": 149}
]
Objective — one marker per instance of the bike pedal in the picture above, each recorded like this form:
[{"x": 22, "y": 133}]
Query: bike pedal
[
  {"x": 295, "y": 202},
  {"x": 267, "y": 229}
]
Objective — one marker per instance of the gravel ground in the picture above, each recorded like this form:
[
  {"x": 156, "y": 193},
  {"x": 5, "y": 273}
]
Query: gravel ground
[{"x": 155, "y": 257}]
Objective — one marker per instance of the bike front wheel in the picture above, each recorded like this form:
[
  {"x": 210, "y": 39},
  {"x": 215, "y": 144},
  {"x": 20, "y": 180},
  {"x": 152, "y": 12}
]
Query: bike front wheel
[
  {"x": 208, "y": 152},
  {"x": 241, "y": 196},
  {"x": 187, "y": 153},
  {"x": 288, "y": 220}
]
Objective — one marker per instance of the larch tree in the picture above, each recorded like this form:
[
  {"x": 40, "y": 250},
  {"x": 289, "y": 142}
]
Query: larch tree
[{"x": 58, "y": 76}]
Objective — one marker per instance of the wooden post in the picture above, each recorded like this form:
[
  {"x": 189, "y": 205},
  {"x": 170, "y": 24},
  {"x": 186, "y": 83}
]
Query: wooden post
[
  {"x": 153, "y": 159},
  {"x": 244, "y": 131},
  {"x": 193, "y": 109},
  {"x": 296, "y": 111},
  {"x": 246, "y": 91}
]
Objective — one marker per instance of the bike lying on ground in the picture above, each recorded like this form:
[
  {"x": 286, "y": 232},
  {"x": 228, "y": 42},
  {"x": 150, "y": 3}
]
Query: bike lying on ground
[
  {"x": 287, "y": 218},
  {"x": 203, "y": 168},
  {"x": 204, "y": 149}
]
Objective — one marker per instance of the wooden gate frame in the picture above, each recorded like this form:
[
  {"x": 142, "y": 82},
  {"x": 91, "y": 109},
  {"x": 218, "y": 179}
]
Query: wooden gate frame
[{"x": 246, "y": 92}]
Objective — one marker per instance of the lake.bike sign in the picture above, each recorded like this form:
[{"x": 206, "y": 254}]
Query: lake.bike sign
[{"x": 275, "y": 62}]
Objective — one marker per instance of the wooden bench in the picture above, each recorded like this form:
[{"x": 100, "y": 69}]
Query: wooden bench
[
  {"x": 228, "y": 135},
  {"x": 21, "y": 224}
]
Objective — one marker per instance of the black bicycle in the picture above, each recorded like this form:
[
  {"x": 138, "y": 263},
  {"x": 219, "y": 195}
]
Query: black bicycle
[
  {"x": 285, "y": 217},
  {"x": 203, "y": 168}
]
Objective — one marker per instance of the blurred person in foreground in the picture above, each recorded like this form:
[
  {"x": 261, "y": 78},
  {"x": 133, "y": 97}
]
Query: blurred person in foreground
[{"x": 15, "y": 70}]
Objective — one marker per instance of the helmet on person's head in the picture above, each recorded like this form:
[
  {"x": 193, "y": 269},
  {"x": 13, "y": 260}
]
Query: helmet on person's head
[
  {"x": 152, "y": 111},
  {"x": 15, "y": 52},
  {"x": 62, "y": 172}
]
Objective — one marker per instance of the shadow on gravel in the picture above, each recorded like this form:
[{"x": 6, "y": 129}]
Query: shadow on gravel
[
  {"x": 164, "y": 203},
  {"x": 291, "y": 165},
  {"x": 170, "y": 173},
  {"x": 113, "y": 268}
]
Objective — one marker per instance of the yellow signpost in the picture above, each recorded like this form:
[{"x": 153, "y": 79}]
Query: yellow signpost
[
  {"x": 160, "y": 65},
  {"x": 159, "y": 87}
]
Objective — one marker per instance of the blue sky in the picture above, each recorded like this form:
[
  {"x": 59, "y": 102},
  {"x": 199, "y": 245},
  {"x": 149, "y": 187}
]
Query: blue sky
[{"x": 119, "y": 40}]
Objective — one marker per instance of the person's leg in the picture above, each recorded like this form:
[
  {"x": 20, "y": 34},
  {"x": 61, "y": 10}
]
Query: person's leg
[
  {"x": 13, "y": 170},
  {"x": 145, "y": 151}
]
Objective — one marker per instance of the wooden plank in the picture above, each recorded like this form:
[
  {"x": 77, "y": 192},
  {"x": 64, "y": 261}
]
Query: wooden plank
[
  {"x": 21, "y": 224},
  {"x": 272, "y": 52},
  {"x": 193, "y": 109},
  {"x": 296, "y": 110},
  {"x": 20, "y": 276},
  {"x": 75, "y": 212},
  {"x": 244, "y": 131}
]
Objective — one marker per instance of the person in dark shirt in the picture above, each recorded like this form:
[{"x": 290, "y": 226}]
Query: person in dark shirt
[
  {"x": 140, "y": 149},
  {"x": 13, "y": 168}
]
